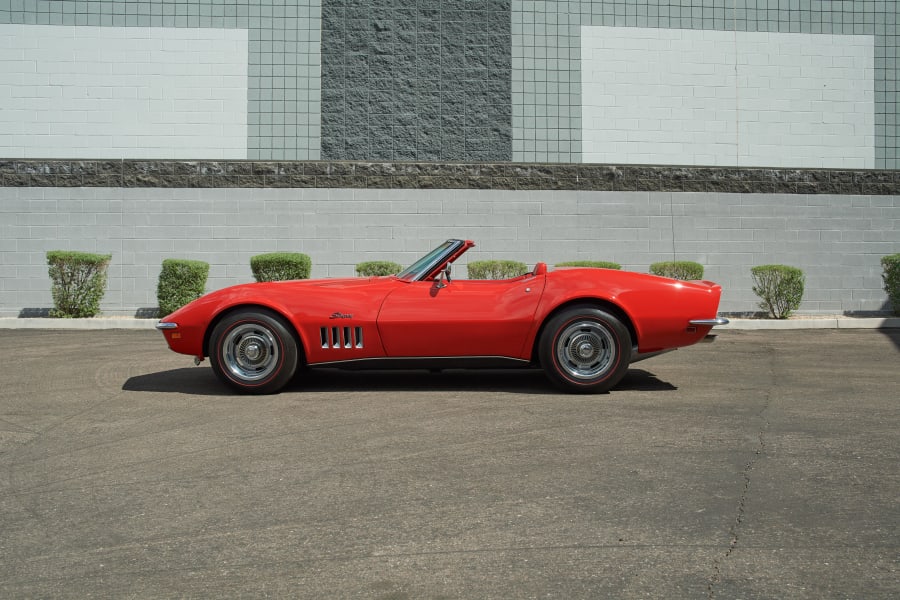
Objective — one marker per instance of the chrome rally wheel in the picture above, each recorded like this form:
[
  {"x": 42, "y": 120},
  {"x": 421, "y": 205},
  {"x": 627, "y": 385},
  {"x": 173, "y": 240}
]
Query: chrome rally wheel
[
  {"x": 254, "y": 352},
  {"x": 585, "y": 349},
  {"x": 250, "y": 352}
]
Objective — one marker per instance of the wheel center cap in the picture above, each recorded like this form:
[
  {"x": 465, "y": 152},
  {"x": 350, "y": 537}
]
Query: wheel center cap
[
  {"x": 585, "y": 350},
  {"x": 252, "y": 351}
]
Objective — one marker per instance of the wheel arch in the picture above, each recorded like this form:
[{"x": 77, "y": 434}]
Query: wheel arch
[
  {"x": 301, "y": 348},
  {"x": 598, "y": 303}
]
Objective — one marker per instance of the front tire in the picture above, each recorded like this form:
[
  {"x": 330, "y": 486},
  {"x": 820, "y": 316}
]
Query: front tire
[
  {"x": 585, "y": 350},
  {"x": 253, "y": 352}
]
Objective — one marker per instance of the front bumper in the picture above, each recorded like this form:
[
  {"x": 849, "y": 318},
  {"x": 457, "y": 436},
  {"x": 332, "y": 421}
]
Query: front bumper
[{"x": 182, "y": 339}]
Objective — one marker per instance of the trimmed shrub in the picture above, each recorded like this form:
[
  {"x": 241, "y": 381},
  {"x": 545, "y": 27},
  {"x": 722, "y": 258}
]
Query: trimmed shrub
[
  {"x": 78, "y": 282},
  {"x": 593, "y": 264},
  {"x": 780, "y": 287},
  {"x": 685, "y": 270},
  {"x": 180, "y": 282},
  {"x": 891, "y": 277},
  {"x": 496, "y": 269},
  {"x": 280, "y": 266},
  {"x": 378, "y": 268}
]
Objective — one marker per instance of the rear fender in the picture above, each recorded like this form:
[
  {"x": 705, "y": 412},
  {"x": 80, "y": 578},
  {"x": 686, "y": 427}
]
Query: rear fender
[{"x": 590, "y": 302}]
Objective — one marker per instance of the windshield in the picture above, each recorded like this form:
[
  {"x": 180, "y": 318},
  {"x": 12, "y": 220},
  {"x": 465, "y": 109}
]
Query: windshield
[{"x": 424, "y": 265}]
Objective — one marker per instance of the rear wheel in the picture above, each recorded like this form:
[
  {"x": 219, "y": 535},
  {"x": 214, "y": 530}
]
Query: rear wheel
[
  {"x": 585, "y": 349},
  {"x": 253, "y": 352}
]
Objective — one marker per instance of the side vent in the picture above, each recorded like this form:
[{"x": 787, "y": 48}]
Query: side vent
[{"x": 341, "y": 337}]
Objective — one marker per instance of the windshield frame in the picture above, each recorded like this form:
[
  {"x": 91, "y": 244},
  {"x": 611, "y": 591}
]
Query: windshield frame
[{"x": 428, "y": 264}]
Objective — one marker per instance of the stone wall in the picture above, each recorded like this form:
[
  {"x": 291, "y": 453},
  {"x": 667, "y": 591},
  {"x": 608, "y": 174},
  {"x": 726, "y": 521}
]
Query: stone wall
[
  {"x": 427, "y": 80},
  {"x": 415, "y": 175}
]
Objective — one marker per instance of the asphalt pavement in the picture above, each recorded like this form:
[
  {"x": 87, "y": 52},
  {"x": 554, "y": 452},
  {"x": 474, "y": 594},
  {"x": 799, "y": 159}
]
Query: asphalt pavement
[{"x": 764, "y": 465}]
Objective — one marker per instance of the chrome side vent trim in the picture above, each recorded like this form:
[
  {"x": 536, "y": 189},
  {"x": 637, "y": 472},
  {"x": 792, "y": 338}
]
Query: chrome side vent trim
[{"x": 341, "y": 337}]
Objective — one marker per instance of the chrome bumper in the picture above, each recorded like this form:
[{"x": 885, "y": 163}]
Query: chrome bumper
[
  {"x": 162, "y": 326},
  {"x": 710, "y": 322}
]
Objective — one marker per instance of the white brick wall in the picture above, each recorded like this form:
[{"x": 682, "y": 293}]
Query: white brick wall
[
  {"x": 135, "y": 92},
  {"x": 678, "y": 96},
  {"x": 837, "y": 240}
]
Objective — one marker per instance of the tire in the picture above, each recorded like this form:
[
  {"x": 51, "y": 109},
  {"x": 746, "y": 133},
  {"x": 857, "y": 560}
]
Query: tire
[
  {"x": 253, "y": 352},
  {"x": 585, "y": 350}
]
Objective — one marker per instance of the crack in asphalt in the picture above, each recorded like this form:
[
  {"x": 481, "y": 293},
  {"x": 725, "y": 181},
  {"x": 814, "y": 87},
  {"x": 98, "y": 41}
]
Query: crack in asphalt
[{"x": 758, "y": 453}]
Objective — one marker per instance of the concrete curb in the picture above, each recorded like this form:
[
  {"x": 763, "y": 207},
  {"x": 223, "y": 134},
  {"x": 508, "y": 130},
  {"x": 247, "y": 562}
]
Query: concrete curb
[
  {"x": 814, "y": 323},
  {"x": 743, "y": 324},
  {"x": 92, "y": 323}
]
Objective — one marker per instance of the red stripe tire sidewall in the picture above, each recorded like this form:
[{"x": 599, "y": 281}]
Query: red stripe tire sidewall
[
  {"x": 609, "y": 372},
  {"x": 272, "y": 375}
]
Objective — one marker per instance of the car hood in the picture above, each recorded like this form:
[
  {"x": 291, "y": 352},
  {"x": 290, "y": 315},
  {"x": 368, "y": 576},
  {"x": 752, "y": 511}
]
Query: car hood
[
  {"x": 338, "y": 283},
  {"x": 274, "y": 291}
]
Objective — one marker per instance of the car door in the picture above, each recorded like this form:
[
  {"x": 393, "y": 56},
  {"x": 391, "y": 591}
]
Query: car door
[{"x": 460, "y": 318}]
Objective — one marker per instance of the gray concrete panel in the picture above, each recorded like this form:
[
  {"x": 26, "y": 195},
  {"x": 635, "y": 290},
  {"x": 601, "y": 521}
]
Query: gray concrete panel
[
  {"x": 546, "y": 57},
  {"x": 284, "y": 91}
]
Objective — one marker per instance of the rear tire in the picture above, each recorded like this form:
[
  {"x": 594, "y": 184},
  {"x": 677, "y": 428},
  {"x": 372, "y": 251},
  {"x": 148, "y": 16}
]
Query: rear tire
[
  {"x": 585, "y": 350},
  {"x": 253, "y": 352}
]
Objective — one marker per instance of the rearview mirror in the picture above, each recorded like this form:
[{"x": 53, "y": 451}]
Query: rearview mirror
[{"x": 443, "y": 278}]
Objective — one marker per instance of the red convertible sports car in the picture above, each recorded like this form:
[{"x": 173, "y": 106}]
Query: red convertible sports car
[{"x": 583, "y": 326}]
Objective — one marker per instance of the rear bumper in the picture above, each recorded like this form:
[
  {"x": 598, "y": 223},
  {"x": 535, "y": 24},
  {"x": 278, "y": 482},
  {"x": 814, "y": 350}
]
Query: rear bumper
[
  {"x": 711, "y": 337},
  {"x": 709, "y": 322}
]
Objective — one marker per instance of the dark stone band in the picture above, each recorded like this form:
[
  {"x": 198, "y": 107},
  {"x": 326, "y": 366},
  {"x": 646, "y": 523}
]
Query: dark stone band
[{"x": 410, "y": 175}]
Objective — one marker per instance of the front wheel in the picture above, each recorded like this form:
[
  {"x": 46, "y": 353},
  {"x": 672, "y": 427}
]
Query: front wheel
[
  {"x": 253, "y": 352},
  {"x": 585, "y": 349}
]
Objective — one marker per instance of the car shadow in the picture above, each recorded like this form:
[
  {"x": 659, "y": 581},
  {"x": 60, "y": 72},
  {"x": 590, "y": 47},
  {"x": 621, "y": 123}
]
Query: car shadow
[
  {"x": 639, "y": 380},
  {"x": 200, "y": 381},
  {"x": 195, "y": 381}
]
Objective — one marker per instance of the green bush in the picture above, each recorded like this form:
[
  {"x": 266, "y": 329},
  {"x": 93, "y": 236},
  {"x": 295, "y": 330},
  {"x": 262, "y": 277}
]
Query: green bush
[
  {"x": 496, "y": 269},
  {"x": 594, "y": 264},
  {"x": 180, "y": 282},
  {"x": 891, "y": 276},
  {"x": 378, "y": 268},
  {"x": 780, "y": 288},
  {"x": 684, "y": 270},
  {"x": 78, "y": 282},
  {"x": 280, "y": 266}
]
